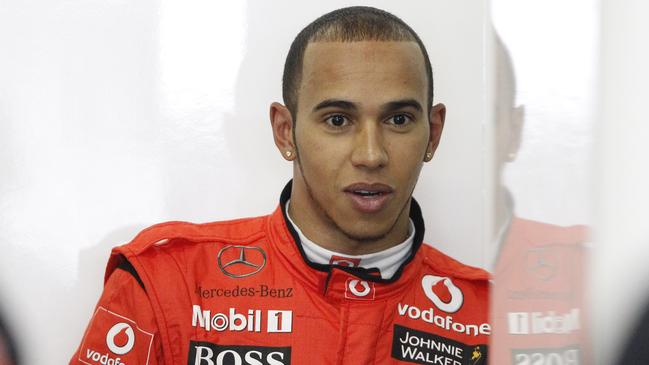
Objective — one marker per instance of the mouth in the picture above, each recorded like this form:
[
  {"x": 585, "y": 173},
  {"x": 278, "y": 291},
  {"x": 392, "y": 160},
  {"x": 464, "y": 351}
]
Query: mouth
[
  {"x": 368, "y": 190},
  {"x": 367, "y": 193},
  {"x": 369, "y": 198}
]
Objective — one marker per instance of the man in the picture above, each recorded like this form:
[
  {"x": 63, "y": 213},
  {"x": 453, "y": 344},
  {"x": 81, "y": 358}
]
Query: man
[{"x": 338, "y": 273}]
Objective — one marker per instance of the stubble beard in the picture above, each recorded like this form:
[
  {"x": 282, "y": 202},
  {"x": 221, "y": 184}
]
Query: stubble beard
[{"x": 323, "y": 212}]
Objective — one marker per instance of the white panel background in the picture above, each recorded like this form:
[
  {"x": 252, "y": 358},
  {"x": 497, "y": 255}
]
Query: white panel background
[
  {"x": 620, "y": 275},
  {"x": 115, "y": 115}
]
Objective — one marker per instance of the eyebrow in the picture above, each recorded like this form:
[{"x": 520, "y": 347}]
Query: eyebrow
[
  {"x": 336, "y": 103},
  {"x": 387, "y": 107},
  {"x": 400, "y": 104}
]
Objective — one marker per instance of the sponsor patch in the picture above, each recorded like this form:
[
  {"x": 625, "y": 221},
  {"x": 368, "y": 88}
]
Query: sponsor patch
[
  {"x": 443, "y": 293},
  {"x": 344, "y": 261},
  {"x": 207, "y": 353},
  {"x": 542, "y": 263},
  {"x": 252, "y": 320},
  {"x": 259, "y": 291},
  {"x": 419, "y": 347},
  {"x": 241, "y": 261},
  {"x": 550, "y": 322},
  {"x": 445, "y": 322},
  {"x": 359, "y": 289},
  {"x": 547, "y": 356},
  {"x": 113, "y": 339}
]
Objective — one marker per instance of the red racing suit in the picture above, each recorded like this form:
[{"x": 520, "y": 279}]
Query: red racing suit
[
  {"x": 539, "y": 315},
  {"x": 242, "y": 292}
]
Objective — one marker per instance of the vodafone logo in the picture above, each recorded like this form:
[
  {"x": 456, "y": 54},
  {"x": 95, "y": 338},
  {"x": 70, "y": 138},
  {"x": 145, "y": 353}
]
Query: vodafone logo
[
  {"x": 452, "y": 301},
  {"x": 359, "y": 290},
  {"x": 114, "y": 332},
  {"x": 113, "y": 339},
  {"x": 344, "y": 261},
  {"x": 353, "y": 287}
]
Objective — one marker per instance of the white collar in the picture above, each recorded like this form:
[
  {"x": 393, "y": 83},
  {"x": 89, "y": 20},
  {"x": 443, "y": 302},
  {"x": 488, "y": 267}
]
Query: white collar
[{"x": 387, "y": 261}]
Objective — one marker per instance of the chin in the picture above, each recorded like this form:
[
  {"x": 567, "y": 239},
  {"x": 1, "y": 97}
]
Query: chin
[{"x": 364, "y": 232}]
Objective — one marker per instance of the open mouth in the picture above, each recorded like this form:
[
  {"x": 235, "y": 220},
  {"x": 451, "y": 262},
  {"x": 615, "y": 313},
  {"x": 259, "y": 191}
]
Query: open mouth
[
  {"x": 369, "y": 198},
  {"x": 367, "y": 193},
  {"x": 365, "y": 189}
]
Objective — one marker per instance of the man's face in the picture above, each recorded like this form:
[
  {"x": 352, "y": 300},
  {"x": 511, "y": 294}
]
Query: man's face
[{"x": 362, "y": 133}]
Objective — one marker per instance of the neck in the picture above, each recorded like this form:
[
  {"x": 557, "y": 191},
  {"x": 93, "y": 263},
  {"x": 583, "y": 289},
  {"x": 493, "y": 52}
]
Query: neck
[
  {"x": 502, "y": 209},
  {"x": 316, "y": 224}
]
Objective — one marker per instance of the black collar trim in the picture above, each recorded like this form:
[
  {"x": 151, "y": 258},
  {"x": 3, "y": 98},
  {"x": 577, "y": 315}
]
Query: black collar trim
[{"x": 360, "y": 272}]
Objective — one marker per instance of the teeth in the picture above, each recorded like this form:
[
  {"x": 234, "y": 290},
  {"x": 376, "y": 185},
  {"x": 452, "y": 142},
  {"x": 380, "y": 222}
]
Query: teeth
[{"x": 367, "y": 193}]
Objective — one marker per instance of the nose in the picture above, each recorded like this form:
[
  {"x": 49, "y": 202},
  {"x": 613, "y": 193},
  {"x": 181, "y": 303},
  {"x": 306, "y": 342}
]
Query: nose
[{"x": 369, "y": 147}]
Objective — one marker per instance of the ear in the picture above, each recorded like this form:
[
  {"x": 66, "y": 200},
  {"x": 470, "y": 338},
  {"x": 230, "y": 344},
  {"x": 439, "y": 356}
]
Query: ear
[
  {"x": 282, "y": 124},
  {"x": 436, "y": 121}
]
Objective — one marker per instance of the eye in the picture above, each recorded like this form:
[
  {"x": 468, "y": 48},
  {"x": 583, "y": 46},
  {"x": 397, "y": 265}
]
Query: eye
[
  {"x": 337, "y": 121},
  {"x": 399, "y": 120}
]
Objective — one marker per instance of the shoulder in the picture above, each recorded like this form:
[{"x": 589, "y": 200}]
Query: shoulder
[
  {"x": 175, "y": 244},
  {"x": 167, "y": 234},
  {"x": 540, "y": 233},
  {"x": 452, "y": 285},
  {"x": 444, "y": 265}
]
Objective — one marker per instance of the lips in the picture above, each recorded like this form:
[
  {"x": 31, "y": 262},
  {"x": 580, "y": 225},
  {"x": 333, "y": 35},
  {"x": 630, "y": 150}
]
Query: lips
[{"x": 368, "y": 198}]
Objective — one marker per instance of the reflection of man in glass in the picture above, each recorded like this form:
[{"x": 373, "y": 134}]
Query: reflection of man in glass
[
  {"x": 338, "y": 273},
  {"x": 537, "y": 302}
]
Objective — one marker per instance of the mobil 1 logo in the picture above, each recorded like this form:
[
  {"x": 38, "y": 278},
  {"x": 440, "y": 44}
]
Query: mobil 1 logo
[
  {"x": 419, "y": 347},
  {"x": 207, "y": 353}
]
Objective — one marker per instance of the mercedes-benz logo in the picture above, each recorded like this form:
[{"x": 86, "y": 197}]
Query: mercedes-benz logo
[
  {"x": 542, "y": 263},
  {"x": 240, "y": 266}
]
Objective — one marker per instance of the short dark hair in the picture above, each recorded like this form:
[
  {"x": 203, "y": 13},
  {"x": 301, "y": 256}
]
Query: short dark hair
[{"x": 352, "y": 24}]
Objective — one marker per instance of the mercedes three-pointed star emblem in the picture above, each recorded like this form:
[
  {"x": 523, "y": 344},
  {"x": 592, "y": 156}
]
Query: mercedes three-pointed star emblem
[{"x": 242, "y": 266}]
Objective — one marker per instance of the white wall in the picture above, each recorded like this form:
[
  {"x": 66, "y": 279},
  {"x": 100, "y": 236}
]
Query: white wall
[{"x": 118, "y": 114}]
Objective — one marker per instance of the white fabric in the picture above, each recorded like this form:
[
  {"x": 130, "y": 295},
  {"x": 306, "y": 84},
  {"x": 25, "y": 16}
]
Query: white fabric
[{"x": 387, "y": 261}]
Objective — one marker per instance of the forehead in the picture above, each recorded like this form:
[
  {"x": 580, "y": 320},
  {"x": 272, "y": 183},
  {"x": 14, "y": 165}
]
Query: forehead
[{"x": 365, "y": 71}]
